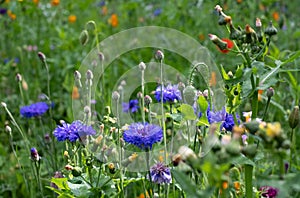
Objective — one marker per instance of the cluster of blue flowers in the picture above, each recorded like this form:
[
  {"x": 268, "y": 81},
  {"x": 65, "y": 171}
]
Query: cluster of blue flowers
[
  {"x": 34, "y": 110},
  {"x": 170, "y": 93},
  {"x": 226, "y": 119},
  {"x": 73, "y": 131},
  {"x": 132, "y": 106},
  {"x": 143, "y": 135}
]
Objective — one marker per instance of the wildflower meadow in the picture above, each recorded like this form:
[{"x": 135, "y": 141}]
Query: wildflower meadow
[{"x": 149, "y": 99}]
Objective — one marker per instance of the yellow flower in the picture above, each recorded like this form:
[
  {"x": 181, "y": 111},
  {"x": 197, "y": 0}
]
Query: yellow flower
[
  {"x": 36, "y": 1},
  {"x": 55, "y": 2},
  {"x": 72, "y": 18},
  {"x": 273, "y": 129}
]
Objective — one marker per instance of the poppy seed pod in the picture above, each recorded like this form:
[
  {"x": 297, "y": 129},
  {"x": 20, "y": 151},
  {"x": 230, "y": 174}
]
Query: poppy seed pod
[
  {"x": 189, "y": 94},
  {"x": 84, "y": 37}
]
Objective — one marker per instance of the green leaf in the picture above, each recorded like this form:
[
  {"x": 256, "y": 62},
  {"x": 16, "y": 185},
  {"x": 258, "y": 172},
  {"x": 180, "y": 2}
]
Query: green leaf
[
  {"x": 292, "y": 58},
  {"x": 188, "y": 186},
  {"x": 187, "y": 111},
  {"x": 61, "y": 183},
  {"x": 203, "y": 104},
  {"x": 224, "y": 74},
  {"x": 203, "y": 121}
]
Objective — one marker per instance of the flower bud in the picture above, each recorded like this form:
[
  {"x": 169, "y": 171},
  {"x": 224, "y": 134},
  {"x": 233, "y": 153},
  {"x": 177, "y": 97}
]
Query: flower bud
[
  {"x": 186, "y": 153},
  {"x": 250, "y": 34},
  {"x": 142, "y": 66},
  {"x": 34, "y": 155},
  {"x": 101, "y": 56},
  {"x": 3, "y": 104},
  {"x": 250, "y": 150},
  {"x": 189, "y": 94},
  {"x": 181, "y": 86},
  {"x": 84, "y": 37},
  {"x": 224, "y": 19},
  {"x": 270, "y": 30},
  {"x": 234, "y": 33},
  {"x": 19, "y": 77},
  {"x": 90, "y": 26},
  {"x": 89, "y": 75},
  {"x": 294, "y": 117},
  {"x": 258, "y": 29},
  {"x": 159, "y": 55},
  {"x": 230, "y": 74},
  {"x": 111, "y": 167},
  {"x": 115, "y": 95},
  {"x": 252, "y": 126},
  {"x": 42, "y": 57},
  {"x": 139, "y": 95},
  {"x": 69, "y": 167},
  {"x": 8, "y": 129},
  {"x": 270, "y": 92},
  {"x": 217, "y": 41},
  {"x": 148, "y": 100},
  {"x": 176, "y": 159},
  {"x": 77, "y": 75}
]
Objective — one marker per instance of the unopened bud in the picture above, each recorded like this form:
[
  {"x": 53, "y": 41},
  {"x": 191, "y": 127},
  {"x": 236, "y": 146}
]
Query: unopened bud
[
  {"x": 34, "y": 155},
  {"x": 148, "y": 100},
  {"x": 159, "y": 55},
  {"x": 24, "y": 85},
  {"x": 19, "y": 77},
  {"x": 84, "y": 37},
  {"x": 217, "y": 41},
  {"x": 111, "y": 167},
  {"x": 77, "y": 75},
  {"x": 234, "y": 33},
  {"x": 294, "y": 117},
  {"x": 69, "y": 167},
  {"x": 270, "y": 30},
  {"x": 89, "y": 75},
  {"x": 181, "y": 86},
  {"x": 42, "y": 57},
  {"x": 123, "y": 83},
  {"x": 7, "y": 129},
  {"x": 139, "y": 95},
  {"x": 189, "y": 94},
  {"x": 186, "y": 153},
  {"x": 3, "y": 104},
  {"x": 270, "y": 92},
  {"x": 252, "y": 126},
  {"x": 115, "y": 95},
  {"x": 90, "y": 26},
  {"x": 230, "y": 74},
  {"x": 224, "y": 19},
  {"x": 142, "y": 66},
  {"x": 101, "y": 56}
]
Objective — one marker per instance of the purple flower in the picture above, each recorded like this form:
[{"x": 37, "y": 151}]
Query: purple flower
[
  {"x": 222, "y": 116},
  {"x": 72, "y": 131},
  {"x": 170, "y": 93},
  {"x": 34, "y": 155},
  {"x": 34, "y": 110},
  {"x": 160, "y": 174},
  {"x": 3, "y": 11},
  {"x": 132, "y": 106},
  {"x": 268, "y": 191},
  {"x": 143, "y": 135}
]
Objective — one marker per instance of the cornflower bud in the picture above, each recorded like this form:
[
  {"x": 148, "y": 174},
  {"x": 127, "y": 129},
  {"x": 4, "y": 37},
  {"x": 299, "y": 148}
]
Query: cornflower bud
[
  {"x": 148, "y": 100},
  {"x": 270, "y": 92},
  {"x": 142, "y": 66},
  {"x": 42, "y": 57},
  {"x": 294, "y": 117},
  {"x": 101, "y": 56},
  {"x": 19, "y": 77},
  {"x": 77, "y": 75},
  {"x": 250, "y": 34},
  {"x": 222, "y": 45},
  {"x": 258, "y": 29},
  {"x": 34, "y": 155},
  {"x": 234, "y": 33},
  {"x": 159, "y": 55},
  {"x": 115, "y": 95}
]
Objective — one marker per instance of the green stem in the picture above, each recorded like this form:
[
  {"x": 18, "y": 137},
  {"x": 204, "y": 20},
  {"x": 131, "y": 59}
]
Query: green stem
[
  {"x": 149, "y": 173},
  {"x": 248, "y": 180},
  {"x": 292, "y": 148},
  {"x": 162, "y": 110},
  {"x": 143, "y": 98},
  {"x": 266, "y": 109}
]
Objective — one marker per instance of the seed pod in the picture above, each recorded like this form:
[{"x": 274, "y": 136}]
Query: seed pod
[{"x": 294, "y": 117}]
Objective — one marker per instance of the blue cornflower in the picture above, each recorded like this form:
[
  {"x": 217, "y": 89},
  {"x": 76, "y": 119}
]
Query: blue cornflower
[
  {"x": 226, "y": 119},
  {"x": 72, "y": 131},
  {"x": 34, "y": 110},
  {"x": 157, "y": 11},
  {"x": 160, "y": 174},
  {"x": 170, "y": 93},
  {"x": 3, "y": 11},
  {"x": 132, "y": 106},
  {"x": 143, "y": 135}
]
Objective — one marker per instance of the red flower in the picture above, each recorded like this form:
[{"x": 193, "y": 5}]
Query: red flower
[{"x": 230, "y": 45}]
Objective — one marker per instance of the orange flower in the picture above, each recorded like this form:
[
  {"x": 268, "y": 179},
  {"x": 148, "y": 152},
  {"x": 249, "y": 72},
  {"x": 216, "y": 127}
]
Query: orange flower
[
  {"x": 237, "y": 185},
  {"x": 201, "y": 37},
  {"x": 239, "y": 1},
  {"x": 275, "y": 16},
  {"x": 114, "y": 20},
  {"x": 225, "y": 185},
  {"x": 259, "y": 95},
  {"x": 55, "y": 2},
  {"x": 11, "y": 15},
  {"x": 229, "y": 45},
  {"x": 75, "y": 93},
  {"x": 72, "y": 18},
  {"x": 36, "y": 1}
]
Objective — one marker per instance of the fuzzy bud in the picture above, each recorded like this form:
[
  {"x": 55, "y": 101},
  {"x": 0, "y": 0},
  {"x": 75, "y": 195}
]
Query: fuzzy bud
[
  {"x": 294, "y": 117},
  {"x": 181, "y": 86},
  {"x": 139, "y": 95},
  {"x": 89, "y": 75},
  {"x": 115, "y": 95},
  {"x": 217, "y": 41},
  {"x": 19, "y": 77},
  {"x": 7, "y": 129},
  {"x": 148, "y": 100},
  {"x": 84, "y": 37},
  {"x": 159, "y": 55},
  {"x": 77, "y": 75},
  {"x": 270, "y": 92},
  {"x": 101, "y": 56},
  {"x": 34, "y": 155},
  {"x": 3, "y": 104},
  {"x": 189, "y": 94},
  {"x": 142, "y": 66},
  {"x": 42, "y": 57}
]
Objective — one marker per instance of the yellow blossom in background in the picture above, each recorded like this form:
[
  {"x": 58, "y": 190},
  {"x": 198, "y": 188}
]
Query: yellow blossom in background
[
  {"x": 114, "y": 20},
  {"x": 104, "y": 10},
  {"x": 55, "y": 2},
  {"x": 271, "y": 129},
  {"x": 72, "y": 18}
]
